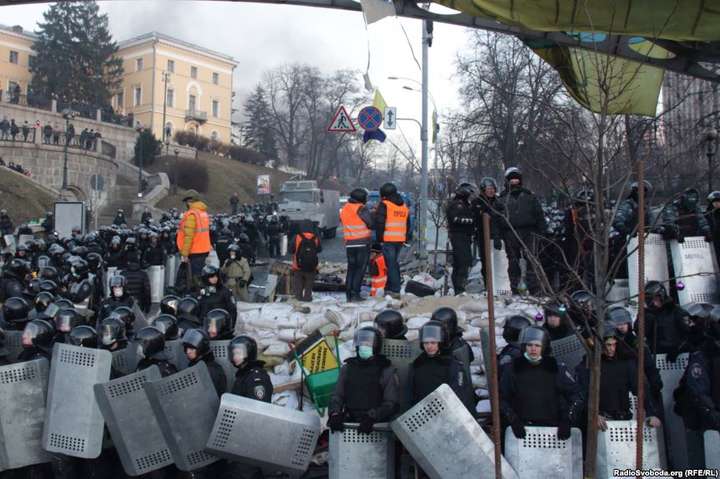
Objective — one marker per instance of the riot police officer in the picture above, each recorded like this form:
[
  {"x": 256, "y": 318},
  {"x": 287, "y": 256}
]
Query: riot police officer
[
  {"x": 188, "y": 314},
  {"x": 14, "y": 278},
  {"x": 217, "y": 325},
  {"x": 168, "y": 325},
  {"x": 684, "y": 217},
  {"x": 536, "y": 390},
  {"x": 65, "y": 320},
  {"x": 390, "y": 323},
  {"x": 118, "y": 297},
  {"x": 487, "y": 202},
  {"x": 456, "y": 345},
  {"x": 84, "y": 336},
  {"x": 367, "y": 387},
  {"x": 37, "y": 340},
  {"x": 461, "y": 227},
  {"x": 663, "y": 321},
  {"x": 214, "y": 294},
  {"x": 436, "y": 366},
  {"x": 511, "y": 334},
  {"x": 169, "y": 305},
  {"x": 15, "y": 313},
  {"x": 556, "y": 321},
  {"x": 151, "y": 349},
  {"x": 197, "y": 348}
]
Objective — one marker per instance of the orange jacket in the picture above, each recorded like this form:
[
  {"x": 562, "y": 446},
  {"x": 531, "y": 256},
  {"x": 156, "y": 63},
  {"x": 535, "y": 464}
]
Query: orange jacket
[
  {"x": 379, "y": 275},
  {"x": 395, "y": 223},
  {"x": 354, "y": 228},
  {"x": 193, "y": 235}
]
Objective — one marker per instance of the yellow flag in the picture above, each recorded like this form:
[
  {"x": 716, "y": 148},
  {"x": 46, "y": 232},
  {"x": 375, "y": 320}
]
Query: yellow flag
[{"x": 379, "y": 101}]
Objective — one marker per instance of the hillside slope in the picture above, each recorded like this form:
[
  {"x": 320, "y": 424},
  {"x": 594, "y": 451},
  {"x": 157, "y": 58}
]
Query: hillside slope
[
  {"x": 226, "y": 177},
  {"x": 22, "y": 198}
]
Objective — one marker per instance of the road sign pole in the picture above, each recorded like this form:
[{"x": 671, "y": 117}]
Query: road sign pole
[{"x": 423, "y": 203}]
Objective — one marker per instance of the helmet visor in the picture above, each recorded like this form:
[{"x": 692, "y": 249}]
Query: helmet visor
[
  {"x": 30, "y": 332},
  {"x": 432, "y": 333},
  {"x": 364, "y": 337},
  {"x": 239, "y": 354}
]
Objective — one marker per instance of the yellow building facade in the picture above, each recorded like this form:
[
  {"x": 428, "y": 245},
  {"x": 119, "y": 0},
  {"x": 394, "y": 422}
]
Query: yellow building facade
[{"x": 167, "y": 82}]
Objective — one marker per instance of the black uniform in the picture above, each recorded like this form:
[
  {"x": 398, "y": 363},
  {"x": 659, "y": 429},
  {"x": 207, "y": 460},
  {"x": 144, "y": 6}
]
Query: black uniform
[
  {"x": 216, "y": 372},
  {"x": 366, "y": 388},
  {"x": 713, "y": 220},
  {"x": 698, "y": 395},
  {"x": 543, "y": 395},
  {"x": 510, "y": 352},
  {"x": 111, "y": 304},
  {"x": 663, "y": 329},
  {"x": 274, "y": 232},
  {"x": 154, "y": 255},
  {"x": 138, "y": 286},
  {"x": 427, "y": 373},
  {"x": 627, "y": 349},
  {"x": 461, "y": 226},
  {"x": 252, "y": 381},
  {"x": 525, "y": 215},
  {"x": 221, "y": 298},
  {"x": 161, "y": 360}
]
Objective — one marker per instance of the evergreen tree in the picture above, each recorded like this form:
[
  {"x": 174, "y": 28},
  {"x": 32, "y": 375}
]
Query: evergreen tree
[
  {"x": 257, "y": 130},
  {"x": 75, "y": 56},
  {"x": 148, "y": 147}
]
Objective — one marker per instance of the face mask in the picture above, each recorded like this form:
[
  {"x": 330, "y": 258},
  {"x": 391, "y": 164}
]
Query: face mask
[
  {"x": 232, "y": 255},
  {"x": 531, "y": 360},
  {"x": 117, "y": 292},
  {"x": 365, "y": 352}
]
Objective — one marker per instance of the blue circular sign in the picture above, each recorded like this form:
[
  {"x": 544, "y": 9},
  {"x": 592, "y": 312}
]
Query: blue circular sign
[{"x": 370, "y": 118}]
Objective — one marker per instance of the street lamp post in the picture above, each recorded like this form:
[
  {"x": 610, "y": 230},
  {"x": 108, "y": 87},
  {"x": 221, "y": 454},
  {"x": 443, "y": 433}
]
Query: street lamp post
[
  {"x": 174, "y": 175},
  {"x": 710, "y": 138},
  {"x": 68, "y": 114},
  {"x": 166, "y": 78},
  {"x": 139, "y": 129},
  {"x": 422, "y": 213}
]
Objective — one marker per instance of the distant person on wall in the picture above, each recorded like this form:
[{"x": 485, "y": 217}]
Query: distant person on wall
[
  {"x": 69, "y": 134},
  {"x": 234, "y": 201},
  {"x": 14, "y": 130},
  {"x": 56, "y": 134},
  {"x": 4, "y": 129},
  {"x": 25, "y": 131},
  {"x": 193, "y": 234},
  {"x": 47, "y": 133}
]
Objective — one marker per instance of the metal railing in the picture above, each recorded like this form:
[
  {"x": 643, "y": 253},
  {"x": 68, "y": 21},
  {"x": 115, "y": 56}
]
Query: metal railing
[
  {"x": 197, "y": 115},
  {"x": 21, "y": 135}
]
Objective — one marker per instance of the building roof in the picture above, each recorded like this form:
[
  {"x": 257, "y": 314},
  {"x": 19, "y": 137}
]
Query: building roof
[
  {"x": 18, "y": 30},
  {"x": 157, "y": 36}
]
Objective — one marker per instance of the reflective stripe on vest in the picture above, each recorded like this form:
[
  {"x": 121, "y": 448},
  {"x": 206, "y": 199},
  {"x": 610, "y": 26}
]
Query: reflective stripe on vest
[
  {"x": 395, "y": 222},
  {"x": 354, "y": 228},
  {"x": 201, "y": 239},
  {"x": 379, "y": 281}
]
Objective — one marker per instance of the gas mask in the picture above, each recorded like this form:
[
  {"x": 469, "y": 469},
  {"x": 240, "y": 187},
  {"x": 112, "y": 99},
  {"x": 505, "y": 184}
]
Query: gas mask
[{"x": 365, "y": 352}]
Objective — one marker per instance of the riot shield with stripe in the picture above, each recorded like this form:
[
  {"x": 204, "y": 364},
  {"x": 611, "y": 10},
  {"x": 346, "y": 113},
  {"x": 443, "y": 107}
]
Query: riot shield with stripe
[
  {"x": 281, "y": 440},
  {"x": 673, "y": 425},
  {"x": 220, "y": 351},
  {"x": 185, "y": 405},
  {"x": 401, "y": 354},
  {"x": 568, "y": 350},
  {"x": 693, "y": 263},
  {"x": 432, "y": 431},
  {"x": 656, "y": 262},
  {"x": 616, "y": 448},
  {"x": 356, "y": 454},
  {"x": 133, "y": 427},
  {"x": 125, "y": 360},
  {"x": 501, "y": 277},
  {"x": 172, "y": 263},
  {"x": 156, "y": 274},
  {"x": 542, "y": 454},
  {"x": 73, "y": 422},
  {"x": 176, "y": 353},
  {"x": 23, "y": 391}
]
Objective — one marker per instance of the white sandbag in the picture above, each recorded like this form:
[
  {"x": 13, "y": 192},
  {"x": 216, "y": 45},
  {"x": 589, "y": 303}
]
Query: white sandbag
[
  {"x": 474, "y": 307},
  {"x": 276, "y": 310},
  {"x": 313, "y": 323},
  {"x": 347, "y": 335},
  {"x": 242, "y": 306},
  {"x": 412, "y": 335},
  {"x": 277, "y": 348},
  {"x": 290, "y": 335},
  {"x": 262, "y": 322},
  {"x": 471, "y": 334},
  {"x": 416, "y": 322}
]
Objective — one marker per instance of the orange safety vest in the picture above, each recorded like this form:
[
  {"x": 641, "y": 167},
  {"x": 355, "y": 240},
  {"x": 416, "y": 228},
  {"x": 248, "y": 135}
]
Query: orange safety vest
[
  {"x": 201, "y": 239},
  {"x": 378, "y": 281},
  {"x": 354, "y": 228},
  {"x": 395, "y": 222}
]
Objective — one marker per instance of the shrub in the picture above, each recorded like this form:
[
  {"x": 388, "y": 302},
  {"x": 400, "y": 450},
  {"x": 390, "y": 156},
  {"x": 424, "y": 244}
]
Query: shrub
[
  {"x": 147, "y": 145},
  {"x": 192, "y": 174}
]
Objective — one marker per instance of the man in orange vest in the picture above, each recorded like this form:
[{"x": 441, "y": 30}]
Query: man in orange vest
[
  {"x": 378, "y": 270},
  {"x": 193, "y": 234},
  {"x": 357, "y": 223},
  {"x": 392, "y": 225},
  {"x": 305, "y": 260}
]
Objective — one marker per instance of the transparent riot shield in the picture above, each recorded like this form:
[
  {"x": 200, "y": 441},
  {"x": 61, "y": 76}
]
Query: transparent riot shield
[
  {"x": 156, "y": 274},
  {"x": 445, "y": 440},
  {"x": 694, "y": 267},
  {"x": 616, "y": 448},
  {"x": 401, "y": 354},
  {"x": 282, "y": 439},
  {"x": 568, "y": 350},
  {"x": 501, "y": 278},
  {"x": 656, "y": 262},
  {"x": 73, "y": 422},
  {"x": 542, "y": 454},
  {"x": 355, "y": 454}
]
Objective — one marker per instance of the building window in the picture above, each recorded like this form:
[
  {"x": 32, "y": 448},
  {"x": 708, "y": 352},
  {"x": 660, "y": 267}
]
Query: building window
[
  {"x": 214, "y": 136},
  {"x": 138, "y": 95},
  {"x": 171, "y": 66},
  {"x": 13, "y": 57},
  {"x": 216, "y": 78},
  {"x": 191, "y": 103},
  {"x": 138, "y": 64},
  {"x": 170, "y": 98},
  {"x": 215, "y": 108},
  {"x": 193, "y": 72},
  {"x": 120, "y": 100},
  {"x": 31, "y": 61}
]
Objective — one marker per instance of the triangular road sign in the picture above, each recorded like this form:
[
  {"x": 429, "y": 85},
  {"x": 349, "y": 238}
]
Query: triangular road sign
[{"x": 341, "y": 122}]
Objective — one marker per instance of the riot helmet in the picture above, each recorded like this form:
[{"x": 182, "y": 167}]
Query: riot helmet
[
  {"x": 117, "y": 285},
  {"x": 112, "y": 330},
  {"x": 488, "y": 182},
  {"x": 618, "y": 316},
  {"x": 242, "y": 350},
  {"x": 464, "y": 191},
  {"x": 513, "y": 173},
  {"x": 66, "y": 319},
  {"x": 208, "y": 272},
  {"x": 188, "y": 308},
  {"x": 126, "y": 315},
  {"x": 655, "y": 289},
  {"x": 513, "y": 327},
  {"x": 150, "y": 341},
  {"x": 83, "y": 336},
  {"x": 169, "y": 305},
  {"x": 448, "y": 318},
  {"x": 713, "y": 197},
  {"x": 433, "y": 332},
  {"x": 534, "y": 336},
  {"x": 38, "y": 333},
  {"x": 198, "y": 340},
  {"x": 16, "y": 310},
  {"x": 168, "y": 325},
  {"x": 216, "y": 323},
  {"x": 42, "y": 300},
  {"x": 368, "y": 342},
  {"x": 391, "y": 324}
]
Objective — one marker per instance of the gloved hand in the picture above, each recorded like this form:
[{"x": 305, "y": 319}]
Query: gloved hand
[
  {"x": 366, "y": 424},
  {"x": 563, "y": 432},
  {"x": 672, "y": 355},
  {"x": 709, "y": 238},
  {"x": 680, "y": 238},
  {"x": 335, "y": 423},
  {"x": 497, "y": 244},
  {"x": 669, "y": 234},
  {"x": 517, "y": 428}
]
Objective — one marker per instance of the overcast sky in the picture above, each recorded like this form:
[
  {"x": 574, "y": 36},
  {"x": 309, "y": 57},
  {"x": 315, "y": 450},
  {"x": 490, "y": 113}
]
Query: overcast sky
[{"x": 264, "y": 36}]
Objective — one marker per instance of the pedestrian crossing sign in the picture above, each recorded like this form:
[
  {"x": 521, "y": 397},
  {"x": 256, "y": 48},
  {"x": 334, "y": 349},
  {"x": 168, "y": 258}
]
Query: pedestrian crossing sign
[{"x": 341, "y": 122}]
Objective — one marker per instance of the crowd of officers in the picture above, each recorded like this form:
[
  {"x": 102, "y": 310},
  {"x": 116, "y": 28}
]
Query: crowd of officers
[{"x": 562, "y": 241}]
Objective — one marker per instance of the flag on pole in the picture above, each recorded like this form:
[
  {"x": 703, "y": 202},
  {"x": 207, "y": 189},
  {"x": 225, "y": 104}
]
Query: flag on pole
[
  {"x": 376, "y": 10},
  {"x": 379, "y": 101},
  {"x": 378, "y": 135}
]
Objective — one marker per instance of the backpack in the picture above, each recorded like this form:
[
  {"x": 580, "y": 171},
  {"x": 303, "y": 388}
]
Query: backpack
[{"x": 307, "y": 254}]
